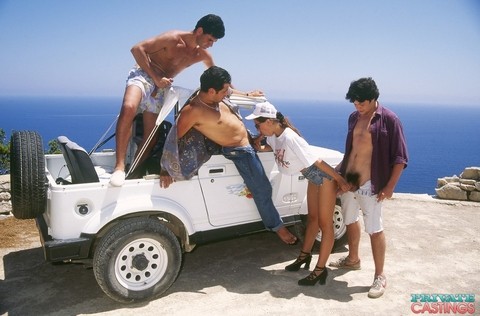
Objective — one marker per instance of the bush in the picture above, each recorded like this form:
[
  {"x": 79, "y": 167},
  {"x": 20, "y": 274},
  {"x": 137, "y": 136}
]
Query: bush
[
  {"x": 4, "y": 153},
  {"x": 53, "y": 147}
]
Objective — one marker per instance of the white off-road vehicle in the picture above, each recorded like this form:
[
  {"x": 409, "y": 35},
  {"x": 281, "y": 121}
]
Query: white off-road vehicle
[{"x": 135, "y": 235}]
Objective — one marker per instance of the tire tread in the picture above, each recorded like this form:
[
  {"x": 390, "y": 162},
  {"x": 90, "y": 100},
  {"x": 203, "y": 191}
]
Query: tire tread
[{"x": 27, "y": 177}]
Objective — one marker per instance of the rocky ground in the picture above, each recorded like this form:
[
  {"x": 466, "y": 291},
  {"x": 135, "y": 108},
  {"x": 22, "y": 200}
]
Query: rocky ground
[{"x": 14, "y": 232}]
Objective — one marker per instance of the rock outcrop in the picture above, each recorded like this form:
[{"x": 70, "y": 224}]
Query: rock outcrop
[
  {"x": 5, "y": 197},
  {"x": 465, "y": 187}
]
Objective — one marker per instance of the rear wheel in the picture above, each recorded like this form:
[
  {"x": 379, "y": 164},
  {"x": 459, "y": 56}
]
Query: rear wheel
[
  {"x": 27, "y": 175},
  {"x": 136, "y": 260}
]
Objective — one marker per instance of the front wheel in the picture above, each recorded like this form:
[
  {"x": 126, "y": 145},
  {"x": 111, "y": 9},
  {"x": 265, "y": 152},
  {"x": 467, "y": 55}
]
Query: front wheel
[{"x": 138, "y": 259}]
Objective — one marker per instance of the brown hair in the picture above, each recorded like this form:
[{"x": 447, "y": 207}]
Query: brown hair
[{"x": 284, "y": 122}]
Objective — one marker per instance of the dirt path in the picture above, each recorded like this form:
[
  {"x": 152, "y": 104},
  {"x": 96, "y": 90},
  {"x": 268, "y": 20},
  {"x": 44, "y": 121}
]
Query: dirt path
[{"x": 15, "y": 232}]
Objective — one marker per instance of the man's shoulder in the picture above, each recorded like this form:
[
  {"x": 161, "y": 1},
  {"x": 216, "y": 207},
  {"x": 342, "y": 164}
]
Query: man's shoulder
[
  {"x": 353, "y": 117},
  {"x": 387, "y": 113},
  {"x": 170, "y": 35},
  {"x": 383, "y": 109},
  {"x": 187, "y": 111}
]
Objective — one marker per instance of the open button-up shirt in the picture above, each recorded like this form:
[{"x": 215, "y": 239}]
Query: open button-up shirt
[{"x": 389, "y": 146}]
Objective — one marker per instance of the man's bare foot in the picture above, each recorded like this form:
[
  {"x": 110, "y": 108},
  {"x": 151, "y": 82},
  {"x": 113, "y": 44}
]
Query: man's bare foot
[{"x": 286, "y": 236}]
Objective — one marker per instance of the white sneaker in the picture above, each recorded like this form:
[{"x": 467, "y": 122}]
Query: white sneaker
[
  {"x": 378, "y": 287},
  {"x": 118, "y": 178}
]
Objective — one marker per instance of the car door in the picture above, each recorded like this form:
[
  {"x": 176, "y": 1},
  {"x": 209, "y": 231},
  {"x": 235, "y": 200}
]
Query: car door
[{"x": 228, "y": 200}]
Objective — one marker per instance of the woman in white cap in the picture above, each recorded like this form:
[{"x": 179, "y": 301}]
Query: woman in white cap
[{"x": 293, "y": 154}]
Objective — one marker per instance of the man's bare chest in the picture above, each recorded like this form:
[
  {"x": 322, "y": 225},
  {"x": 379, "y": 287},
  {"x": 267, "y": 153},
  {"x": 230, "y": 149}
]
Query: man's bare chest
[
  {"x": 362, "y": 128},
  {"x": 176, "y": 57}
]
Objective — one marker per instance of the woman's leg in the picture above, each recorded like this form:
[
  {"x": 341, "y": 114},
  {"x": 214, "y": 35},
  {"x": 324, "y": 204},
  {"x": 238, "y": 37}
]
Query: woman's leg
[
  {"x": 325, "y": 206},
  {"x": 312, "y": 228}
]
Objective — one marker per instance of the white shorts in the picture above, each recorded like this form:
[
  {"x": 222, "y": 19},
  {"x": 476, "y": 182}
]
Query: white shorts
[
  {"x": 138, "y": 77},
  {"x": 363, "y": 199}
]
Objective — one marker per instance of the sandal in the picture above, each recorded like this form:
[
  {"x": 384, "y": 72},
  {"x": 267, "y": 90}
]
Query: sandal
[{"x": 344, "y": 263}]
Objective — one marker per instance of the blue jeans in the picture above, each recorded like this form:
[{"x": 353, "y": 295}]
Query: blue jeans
[{"x": 250, "y": 168}]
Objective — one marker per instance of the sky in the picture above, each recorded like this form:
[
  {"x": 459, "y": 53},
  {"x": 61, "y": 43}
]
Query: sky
[{"x": 424, "y": 51}]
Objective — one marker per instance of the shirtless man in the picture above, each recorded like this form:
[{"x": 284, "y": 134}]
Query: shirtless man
[
  {"x": 375, "y": 156},
  {"x": 213, "y": 118},
  {"x": 159, "y": 60}
]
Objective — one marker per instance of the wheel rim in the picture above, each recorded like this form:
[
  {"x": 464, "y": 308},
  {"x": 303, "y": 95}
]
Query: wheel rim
[
  {"x": 338, "y": 224},
  {"x": 141, "y": 264},
  {"x": 339, "y": 227}
]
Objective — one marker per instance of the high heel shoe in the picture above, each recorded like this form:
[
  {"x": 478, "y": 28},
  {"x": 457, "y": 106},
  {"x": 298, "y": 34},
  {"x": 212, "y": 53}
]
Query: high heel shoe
[
  {"x": 299, "y": 261},
  {"x": 312, "y": 278}
]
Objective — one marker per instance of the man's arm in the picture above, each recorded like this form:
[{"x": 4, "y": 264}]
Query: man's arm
[
  {"x": 387, "y": 191},
  {"x": 141, "y": 51},
  {"x": 207, "y": 59},
  {"x": 186, "y": 120},
  {"x": 401, "y": 159}
]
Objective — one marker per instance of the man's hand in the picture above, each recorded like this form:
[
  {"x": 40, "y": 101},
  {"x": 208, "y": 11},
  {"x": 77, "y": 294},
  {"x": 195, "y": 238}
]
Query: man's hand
[
  {"x": 160, "y": 84},
  {"x": 255, "y": 93},
  {"x": 385, "y": 193},
  {"x": 164, "y": 82},
  {"x": 258, "y": 140},
  {"x": 165, "y": 179}
]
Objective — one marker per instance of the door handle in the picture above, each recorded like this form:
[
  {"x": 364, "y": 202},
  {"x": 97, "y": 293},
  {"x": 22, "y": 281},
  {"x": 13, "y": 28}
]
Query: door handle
[{"x": 216, "y": 171}]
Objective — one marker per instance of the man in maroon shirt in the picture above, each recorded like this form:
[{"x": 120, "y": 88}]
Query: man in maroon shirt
[{"x": 375, "y": 156}]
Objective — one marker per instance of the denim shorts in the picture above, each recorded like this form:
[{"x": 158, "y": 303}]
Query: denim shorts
[{"x": 315, "y": 175}]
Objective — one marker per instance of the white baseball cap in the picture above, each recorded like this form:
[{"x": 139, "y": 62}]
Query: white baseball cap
[{"x": 264, "y": 109}]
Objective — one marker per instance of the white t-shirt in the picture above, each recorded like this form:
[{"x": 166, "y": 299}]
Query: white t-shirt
[{"x": 292, "y": 152}]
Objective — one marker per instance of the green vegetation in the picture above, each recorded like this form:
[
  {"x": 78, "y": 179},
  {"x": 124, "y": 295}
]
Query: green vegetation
[
  {"x": 53, "y": 147},
  {"x": 4, "y": 153}
]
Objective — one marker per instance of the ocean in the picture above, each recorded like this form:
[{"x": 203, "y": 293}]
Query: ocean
[{"x": 442, "y": 140}]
